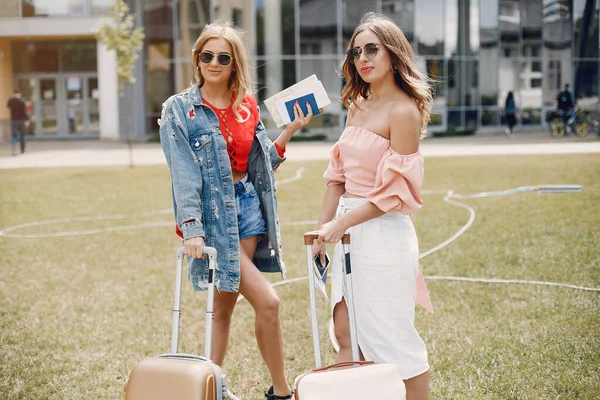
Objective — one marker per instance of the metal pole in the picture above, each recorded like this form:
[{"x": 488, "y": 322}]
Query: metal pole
[
  {"x": 313, "y": 307},
  {"x": 176, "y": 303},
  {"x": 210, "y": 300},
  {"x": 350, "y": 300}
]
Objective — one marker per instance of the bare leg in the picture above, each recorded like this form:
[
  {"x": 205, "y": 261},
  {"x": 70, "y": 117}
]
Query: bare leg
[
  {"x": 223, "y": 310},
  {"x": 417, "y": 388},
  {"x": 261, "y": 295},
  {"x": 342, "y": 332}
]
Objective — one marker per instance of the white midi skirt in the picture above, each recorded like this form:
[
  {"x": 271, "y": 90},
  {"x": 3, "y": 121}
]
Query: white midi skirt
[{"x": 384, "y": 253}]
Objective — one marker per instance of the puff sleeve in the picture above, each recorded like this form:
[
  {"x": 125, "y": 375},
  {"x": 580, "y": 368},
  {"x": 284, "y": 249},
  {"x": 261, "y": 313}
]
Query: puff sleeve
[
  {"x": 398, "y": 183},
  {"x": 334, "y": 174}
]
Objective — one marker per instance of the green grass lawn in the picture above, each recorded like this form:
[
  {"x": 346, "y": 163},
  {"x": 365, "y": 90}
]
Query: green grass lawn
[{"x": 76, "y": 313}]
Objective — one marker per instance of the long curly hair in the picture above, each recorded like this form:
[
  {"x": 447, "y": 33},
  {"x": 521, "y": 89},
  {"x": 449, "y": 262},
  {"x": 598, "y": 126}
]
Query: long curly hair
[
  {"x": 407, "y": 75},
  {"x": 240, "y": 80}
]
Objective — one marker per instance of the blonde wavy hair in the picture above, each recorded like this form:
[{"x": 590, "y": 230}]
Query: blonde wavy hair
[
  {"x": 406, "y": 74},
  {"x": 240, "y": 80}
]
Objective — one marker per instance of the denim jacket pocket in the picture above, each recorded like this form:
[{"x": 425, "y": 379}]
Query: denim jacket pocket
[{"x": 198, "y": 143}]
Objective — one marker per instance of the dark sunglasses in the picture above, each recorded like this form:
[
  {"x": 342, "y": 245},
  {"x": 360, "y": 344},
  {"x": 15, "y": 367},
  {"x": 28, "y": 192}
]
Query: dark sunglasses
[
  {"x": 370, "y": 50},
  {"x": 223, "y": 58}
]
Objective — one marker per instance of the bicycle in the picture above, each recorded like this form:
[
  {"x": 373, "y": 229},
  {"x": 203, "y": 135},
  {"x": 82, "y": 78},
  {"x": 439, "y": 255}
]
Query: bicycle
[{"x": 578, "y": 121}]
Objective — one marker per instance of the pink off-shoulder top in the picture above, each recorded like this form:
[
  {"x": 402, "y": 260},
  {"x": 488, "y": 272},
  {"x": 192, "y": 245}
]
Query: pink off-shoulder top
[{"x": 370, "y": 168}]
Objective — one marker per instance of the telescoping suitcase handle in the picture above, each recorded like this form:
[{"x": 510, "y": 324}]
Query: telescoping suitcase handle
[
  {"x": 309, "y": 238},
  {"x": 212, "y": 260}
]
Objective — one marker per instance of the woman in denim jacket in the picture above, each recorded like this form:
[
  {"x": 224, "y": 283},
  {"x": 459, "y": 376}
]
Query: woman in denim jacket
[{"x": 221, "y": 163}]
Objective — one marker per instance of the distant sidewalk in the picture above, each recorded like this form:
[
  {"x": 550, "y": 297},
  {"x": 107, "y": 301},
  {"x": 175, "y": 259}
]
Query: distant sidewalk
[{"x": 79, "y": 153}]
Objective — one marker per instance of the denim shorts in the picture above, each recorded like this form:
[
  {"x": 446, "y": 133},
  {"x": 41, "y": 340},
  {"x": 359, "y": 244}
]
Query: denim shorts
[{"x": 249, "y": 216}]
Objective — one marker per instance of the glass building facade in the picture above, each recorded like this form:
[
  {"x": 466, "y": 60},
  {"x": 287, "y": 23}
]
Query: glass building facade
[{"x": 475, "y": 52}]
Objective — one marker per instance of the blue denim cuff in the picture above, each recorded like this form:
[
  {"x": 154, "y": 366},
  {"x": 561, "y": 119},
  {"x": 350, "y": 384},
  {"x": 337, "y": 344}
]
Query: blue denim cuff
[{"x": 192, "y": 229}]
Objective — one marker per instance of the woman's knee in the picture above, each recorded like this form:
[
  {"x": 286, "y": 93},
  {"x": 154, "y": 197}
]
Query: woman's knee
[{"x": 269, "y": 307}]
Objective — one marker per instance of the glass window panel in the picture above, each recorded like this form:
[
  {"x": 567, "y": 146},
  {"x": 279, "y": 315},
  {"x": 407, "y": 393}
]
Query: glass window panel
[
  {"x": 48, "y": 109},
  {"x": 319, "y": 27},
  {"x": 488, "y": 69},
  {"x": 79, "y": 56},
  {"x": 402, "y": 13},
  {"x": 472, "y": 36},
  {"x": 585, "y": 20},
  {"x": 352, "y": 12},
  {"x": 53, "y": 8},
  {"x": 453, "y": 24},
  {"x": 471, "y": 119},
  {"x": 260, "y": 28},
  {"x": 558, "y": 72},
  {"x": 436, "y": 118},
  {"x": 489, "y": 116},
  {"x": 100, "y": 7},
  {"x": 508, "y": 79},
  {"x": 530, "y": 116},
  {"x": 94, "y": 109},
  {"x": 531, "y": 27},
  {"x": 288, "y": 27},
  {"x": 326, "y": 71},
  {"x": 454, "y": 83},
  {"x": 471, "y": 84},
  {"x": 453, "y": 120},
  {"x": 43, "y": 56},
  {"x": 530, "y": 85},
  {"x": 510, "y": 24},
  {"x": 160, "y": 83},
  {"x": 435, "y": 72},
  {"x": 268, "y": 86},
  {"x": 586, "y": 84},
  {"x": 429, "y": 27},
  {"x": 558, "y": 32}
]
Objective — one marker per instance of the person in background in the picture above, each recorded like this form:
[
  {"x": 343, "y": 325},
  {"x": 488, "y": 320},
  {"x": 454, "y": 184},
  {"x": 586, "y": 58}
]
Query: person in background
[
  {"x": 510, "y": 113},
  {"x": 564, "y": 103},
  {"x": 19, "y": 121},
  {"x": 374, "y": 181},
  {"x": 221, "y": 163}
]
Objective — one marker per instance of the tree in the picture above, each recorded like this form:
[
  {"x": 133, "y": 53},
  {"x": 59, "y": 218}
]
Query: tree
[{"x": 124, "y": 38}]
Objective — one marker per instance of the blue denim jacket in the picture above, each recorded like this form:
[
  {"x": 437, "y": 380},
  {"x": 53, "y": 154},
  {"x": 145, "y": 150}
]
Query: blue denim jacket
[{"x": 203, "y": 194}]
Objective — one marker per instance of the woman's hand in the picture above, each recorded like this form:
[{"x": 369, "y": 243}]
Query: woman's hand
[
  {"x": 300, "y": 120},
  {"x": 194, "y": 247},
  {"x": 319, "y": 248},
  {"x": 332, "y": 232}
]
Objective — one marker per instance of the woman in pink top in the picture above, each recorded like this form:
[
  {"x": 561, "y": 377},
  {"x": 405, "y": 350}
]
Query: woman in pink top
[{"x": 374, "y": 183}]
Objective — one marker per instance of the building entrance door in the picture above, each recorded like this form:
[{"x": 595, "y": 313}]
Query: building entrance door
[{"x": 61, "y": 105}]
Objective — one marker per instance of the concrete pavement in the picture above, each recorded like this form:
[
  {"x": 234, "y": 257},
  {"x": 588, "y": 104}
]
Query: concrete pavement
[{"x": 79, "y": 153}]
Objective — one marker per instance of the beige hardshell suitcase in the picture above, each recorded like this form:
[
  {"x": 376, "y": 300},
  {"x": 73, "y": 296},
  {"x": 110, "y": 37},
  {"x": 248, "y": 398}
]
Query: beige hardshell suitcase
[
  {"x": 354, "y": 380},
  {"x": 177, "y": 376}
]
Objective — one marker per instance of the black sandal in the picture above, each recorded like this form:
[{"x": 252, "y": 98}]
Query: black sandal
[{"x": 269, "y": 395}]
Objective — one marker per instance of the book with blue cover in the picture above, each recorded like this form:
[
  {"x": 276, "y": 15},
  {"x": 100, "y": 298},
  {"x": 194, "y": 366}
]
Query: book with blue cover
[{"x": 281, "y": 105}]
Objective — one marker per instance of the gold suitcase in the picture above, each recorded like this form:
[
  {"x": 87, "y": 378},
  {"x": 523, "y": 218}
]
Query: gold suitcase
[{"x": 177, "y": 376}]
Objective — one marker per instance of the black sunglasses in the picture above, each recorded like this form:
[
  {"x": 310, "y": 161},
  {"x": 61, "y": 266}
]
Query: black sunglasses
[
  {"x": 370, "y": 50},
  {"x": 223, "y": 58}
]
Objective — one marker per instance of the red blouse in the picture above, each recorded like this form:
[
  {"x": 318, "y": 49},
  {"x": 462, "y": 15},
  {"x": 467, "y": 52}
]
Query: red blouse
[{"x": 239, "y": 135}]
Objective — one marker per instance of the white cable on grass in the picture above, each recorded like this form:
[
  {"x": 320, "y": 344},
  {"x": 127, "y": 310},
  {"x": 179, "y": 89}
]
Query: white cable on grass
[
  {"x": 5, "y": 232},
  {"x": 498, "y": 280},
  {"x": 294, "y": 178},
  {"x": 462, "y": 230}
]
